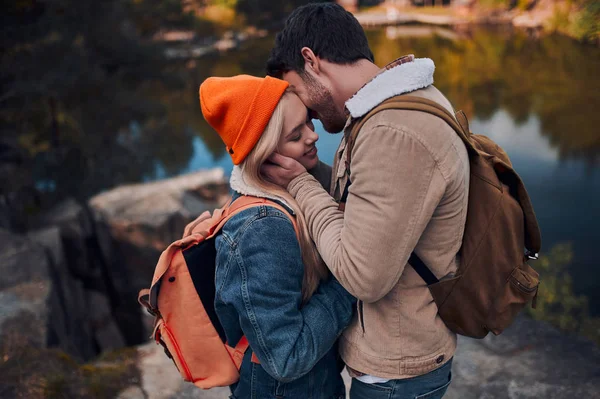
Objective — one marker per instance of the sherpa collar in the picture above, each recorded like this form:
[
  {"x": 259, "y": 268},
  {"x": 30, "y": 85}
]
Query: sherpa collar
[
  {"x": 240, "y": 185},
  {"x": 399, "y": 79}
]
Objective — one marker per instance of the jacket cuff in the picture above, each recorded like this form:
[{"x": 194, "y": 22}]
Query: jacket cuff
[{"x": 302, "y": 182}]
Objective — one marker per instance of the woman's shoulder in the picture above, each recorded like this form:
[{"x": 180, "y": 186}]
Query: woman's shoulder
[{"x": 262, "y": 219}]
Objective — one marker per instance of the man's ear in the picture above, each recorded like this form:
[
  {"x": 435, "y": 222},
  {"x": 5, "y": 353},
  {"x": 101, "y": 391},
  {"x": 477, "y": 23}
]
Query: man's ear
[{"x": 311, "y": 61}]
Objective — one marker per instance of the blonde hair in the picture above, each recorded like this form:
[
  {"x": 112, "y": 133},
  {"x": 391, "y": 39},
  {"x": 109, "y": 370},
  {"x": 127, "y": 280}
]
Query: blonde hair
[{"x": 314, "y": 268}]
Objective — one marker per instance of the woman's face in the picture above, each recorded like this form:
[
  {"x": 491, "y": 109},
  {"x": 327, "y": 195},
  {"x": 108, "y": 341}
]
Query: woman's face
[{"x": 298, "y": 137}]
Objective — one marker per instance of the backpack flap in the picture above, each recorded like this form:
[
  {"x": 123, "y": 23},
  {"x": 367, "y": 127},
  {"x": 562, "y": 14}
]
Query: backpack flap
[
  {"x": 505, "y": 172},
  {"x": 165, "y": 261},
  {"x": 194, "y": 232},
  {"x": 533, "y": 236}
]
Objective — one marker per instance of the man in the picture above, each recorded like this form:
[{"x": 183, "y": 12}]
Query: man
[{"x": 410, "y": 176}]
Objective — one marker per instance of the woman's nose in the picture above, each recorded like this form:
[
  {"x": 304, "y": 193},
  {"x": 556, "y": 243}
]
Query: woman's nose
[{"x": 312, "y": 137}]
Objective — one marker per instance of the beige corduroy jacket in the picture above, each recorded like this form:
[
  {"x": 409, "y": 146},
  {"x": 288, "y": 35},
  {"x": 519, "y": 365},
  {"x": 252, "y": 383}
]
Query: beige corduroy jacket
[{"x": 410, "y": 179}]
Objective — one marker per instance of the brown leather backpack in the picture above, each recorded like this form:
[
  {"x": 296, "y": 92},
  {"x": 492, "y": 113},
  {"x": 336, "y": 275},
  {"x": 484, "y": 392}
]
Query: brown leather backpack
[{"x": 493, "y": 281}]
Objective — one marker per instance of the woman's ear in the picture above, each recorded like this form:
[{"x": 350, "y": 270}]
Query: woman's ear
[{"x": 311, "y": 61}]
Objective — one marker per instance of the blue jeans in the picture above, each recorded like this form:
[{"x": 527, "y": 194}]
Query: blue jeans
[{"x": 432, "y": 385}]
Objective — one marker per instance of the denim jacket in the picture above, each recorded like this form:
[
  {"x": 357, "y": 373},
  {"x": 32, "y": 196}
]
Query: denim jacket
[{"x": 258, "y": 294}]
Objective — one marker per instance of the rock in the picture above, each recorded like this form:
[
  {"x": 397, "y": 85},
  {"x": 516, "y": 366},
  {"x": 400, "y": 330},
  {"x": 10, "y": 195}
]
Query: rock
[
  {"x": 24, "y": 316},
  {"x": 529, "y": 360},
  {"x": 106, "y": 332},
  {"x": 154, "y": 214},
  {"x": 76, "y": 231},
  {"x": 133, "y": 392},
  {"x": 69, "y": 323},
  {"x": 20, "y": 261},
  {"x": 42, "y": 303},
  {"x": 161, "y": 380},
  {"x": 135, "y": 223},
  {"x": 26, "y": 293},
  {"x": 89, "y": 252}
]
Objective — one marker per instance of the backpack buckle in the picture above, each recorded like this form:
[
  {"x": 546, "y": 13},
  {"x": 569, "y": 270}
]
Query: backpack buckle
[{"x": 531, "y": 255}]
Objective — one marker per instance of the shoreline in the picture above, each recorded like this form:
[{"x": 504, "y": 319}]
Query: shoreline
[
  {"x": 188, "y": 45},
  {"x": 540, "y": 19}
]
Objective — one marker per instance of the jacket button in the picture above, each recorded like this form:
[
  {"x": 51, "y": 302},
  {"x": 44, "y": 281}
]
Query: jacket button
[{"x": 440, "y": 359}]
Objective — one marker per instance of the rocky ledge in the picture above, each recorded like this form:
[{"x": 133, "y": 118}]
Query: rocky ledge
[
  {"x": 529, "y": 360},
  {"x": 70, "y": 325},
  {"x": 69, "y": 282}
]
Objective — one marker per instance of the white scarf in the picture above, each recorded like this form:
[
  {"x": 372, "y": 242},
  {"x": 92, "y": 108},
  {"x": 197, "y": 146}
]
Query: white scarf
[{"x": 240, "y": 185}]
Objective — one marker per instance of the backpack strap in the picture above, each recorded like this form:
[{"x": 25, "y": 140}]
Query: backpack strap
[
  {"x": 460, "y": 125},
  {"x": 144, "y": 298},
  {"x": 237, "y": 353},
  {"x": 458, "y": 122},
  {"x": 245, "y": 202}
]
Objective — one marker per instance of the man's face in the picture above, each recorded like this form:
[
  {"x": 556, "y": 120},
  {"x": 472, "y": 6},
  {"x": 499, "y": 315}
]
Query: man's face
[{"x": 319, "y": 99}]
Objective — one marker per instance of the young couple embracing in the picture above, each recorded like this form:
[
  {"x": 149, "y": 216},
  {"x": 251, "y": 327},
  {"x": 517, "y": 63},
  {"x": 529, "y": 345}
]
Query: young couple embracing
[{"x": 335, "y": 282}]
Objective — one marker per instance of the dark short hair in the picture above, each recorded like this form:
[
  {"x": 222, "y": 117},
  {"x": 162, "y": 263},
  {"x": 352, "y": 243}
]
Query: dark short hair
[{"x": 331, "y": 32}]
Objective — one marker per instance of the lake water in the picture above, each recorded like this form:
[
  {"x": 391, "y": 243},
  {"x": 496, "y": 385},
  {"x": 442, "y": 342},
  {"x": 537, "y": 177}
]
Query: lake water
[{"x": 537, "y": 98}]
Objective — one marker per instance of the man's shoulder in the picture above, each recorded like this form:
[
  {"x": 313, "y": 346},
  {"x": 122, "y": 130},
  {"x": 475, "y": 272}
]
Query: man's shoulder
[
  {"x": 433, "y": 132},
  {"x": 399, "y": 116},
  {"x": 421, "y": 124}
]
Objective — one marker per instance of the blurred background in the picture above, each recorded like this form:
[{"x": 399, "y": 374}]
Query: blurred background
[{"x": 96, "y": 95}]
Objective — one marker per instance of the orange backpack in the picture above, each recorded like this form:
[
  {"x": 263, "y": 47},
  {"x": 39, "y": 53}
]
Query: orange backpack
[{"x": 181, "y": 299}]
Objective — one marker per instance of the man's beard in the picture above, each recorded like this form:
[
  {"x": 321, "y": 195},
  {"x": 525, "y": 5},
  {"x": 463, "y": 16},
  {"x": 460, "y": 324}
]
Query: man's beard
[{"x": 323, "y": 104}]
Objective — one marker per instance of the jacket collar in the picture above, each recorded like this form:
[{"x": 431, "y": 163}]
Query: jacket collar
[
  {"x": 240, "y": 185},
  {"x": 403, "y": 75}
]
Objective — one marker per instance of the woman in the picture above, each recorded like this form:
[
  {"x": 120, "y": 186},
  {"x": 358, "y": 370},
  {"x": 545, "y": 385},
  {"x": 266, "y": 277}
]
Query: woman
[{"x": 272, "y": 286}]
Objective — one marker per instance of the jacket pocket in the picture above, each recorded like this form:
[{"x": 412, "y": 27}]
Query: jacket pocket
[{"x": 520, "y": 288}]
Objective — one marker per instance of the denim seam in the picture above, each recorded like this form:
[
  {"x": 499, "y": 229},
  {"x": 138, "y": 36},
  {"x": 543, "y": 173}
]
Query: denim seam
[
  {"x": 433, "y": 392},
  {"x": 261, "y": 214},
  {"x": 226, "y": 237},
  {"x": 253, "y": 387},
  {"x": 226, "y": 270},
  {"x": 377, "y": 387}
]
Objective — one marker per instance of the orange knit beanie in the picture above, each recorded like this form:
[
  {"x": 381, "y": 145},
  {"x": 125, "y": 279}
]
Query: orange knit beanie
[{"x": 239, "y": 109}]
